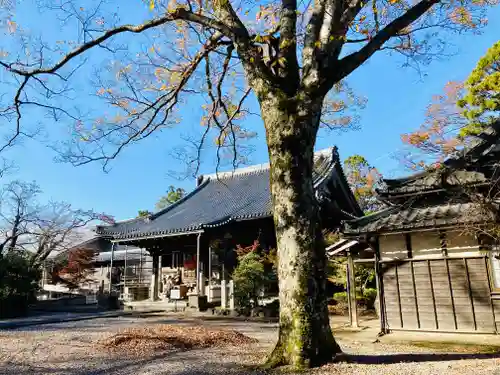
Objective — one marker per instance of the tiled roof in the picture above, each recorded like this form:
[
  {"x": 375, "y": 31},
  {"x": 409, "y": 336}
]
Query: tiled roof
[
  {"x": 119, "y": 255},
  {"x": 230, "y": 196},
  {"x": 433, "y": 180},
  {"x": 399, "y": 218}
]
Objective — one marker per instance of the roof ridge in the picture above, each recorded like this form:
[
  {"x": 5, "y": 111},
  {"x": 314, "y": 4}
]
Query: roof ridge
[
  {"x": 256, "y": 168},
  {"x": 185, "y": 218},
  {"x": 251, "y": 169},
  {"x": 375, "y": 215},
  {"x": 133, "y": 250}
]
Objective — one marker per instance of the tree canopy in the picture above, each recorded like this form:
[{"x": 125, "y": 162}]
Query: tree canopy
[
  {"x": 147, "y": 63},
  {"x": 35, "y": 228},
  {"x": 481, "y": 102},
  {"x": 363, "y": 179},
  {"x": 454, "y": 117},
  {"x": 75, "y": 268},
  {"x": 173, "y": 195},
  {"x": 290, "y": 58}
]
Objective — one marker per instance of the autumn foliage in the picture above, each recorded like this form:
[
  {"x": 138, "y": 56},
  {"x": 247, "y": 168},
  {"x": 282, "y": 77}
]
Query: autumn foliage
[
  {"x": 154, "y": 63},
  {"x": 363, "y": 178},
  {"x": 454, "y": 117},
  {"x": 77, "y": 269},
  {"x": 244, "y": 250}
]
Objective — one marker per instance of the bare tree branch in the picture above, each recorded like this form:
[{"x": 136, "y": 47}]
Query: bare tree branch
[
  {"x": 352, "y": 61},
  {"x": 178, "y": 14}
]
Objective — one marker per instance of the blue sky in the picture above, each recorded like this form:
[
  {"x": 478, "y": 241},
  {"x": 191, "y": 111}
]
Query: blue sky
[{"x": 397, "y": 98}]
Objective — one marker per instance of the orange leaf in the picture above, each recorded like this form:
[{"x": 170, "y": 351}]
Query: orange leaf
[{"x": 11, "y": 26}]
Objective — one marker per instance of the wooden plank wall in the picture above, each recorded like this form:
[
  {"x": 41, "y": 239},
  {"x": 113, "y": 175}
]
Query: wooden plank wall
[
  {"x": 447, "y": 294},
  {"x": 496, "y": 306}
]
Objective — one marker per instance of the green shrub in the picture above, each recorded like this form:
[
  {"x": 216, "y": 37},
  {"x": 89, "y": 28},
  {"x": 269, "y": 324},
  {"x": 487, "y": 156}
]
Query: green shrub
[
  {"x": 369, "y": 296},
  {"x": 340, "y": 297},
  {"x": 249, "y": 277},
  {"x": 18, "y": 284}
]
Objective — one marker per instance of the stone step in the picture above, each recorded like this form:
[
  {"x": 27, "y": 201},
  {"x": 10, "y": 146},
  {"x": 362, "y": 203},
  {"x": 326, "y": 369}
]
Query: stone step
[{"x": 159, "y": 305}]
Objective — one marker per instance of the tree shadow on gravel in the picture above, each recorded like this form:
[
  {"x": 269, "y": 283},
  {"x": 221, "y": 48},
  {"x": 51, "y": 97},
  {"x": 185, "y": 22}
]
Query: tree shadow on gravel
[
  {"x": 131, "y": 368},
  {"x": 189, "y": 365},
  {"x": 411, "y": 357},
  {"x": 173, "y": 363}
]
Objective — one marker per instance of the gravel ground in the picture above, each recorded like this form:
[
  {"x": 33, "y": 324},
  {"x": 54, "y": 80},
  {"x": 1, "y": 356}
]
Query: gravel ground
[{"x": 69, "y": 349}]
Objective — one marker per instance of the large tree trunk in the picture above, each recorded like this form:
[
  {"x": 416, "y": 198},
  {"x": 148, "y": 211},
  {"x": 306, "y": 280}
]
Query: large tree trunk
[{"x": 305, "y": 337}]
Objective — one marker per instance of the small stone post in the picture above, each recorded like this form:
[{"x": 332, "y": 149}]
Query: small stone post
[{"x": 202, "y": 280}]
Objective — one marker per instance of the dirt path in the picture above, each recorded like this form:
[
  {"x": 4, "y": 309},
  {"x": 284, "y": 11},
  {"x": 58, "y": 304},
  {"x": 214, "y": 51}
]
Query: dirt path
[{"x": 69, "y": 348}]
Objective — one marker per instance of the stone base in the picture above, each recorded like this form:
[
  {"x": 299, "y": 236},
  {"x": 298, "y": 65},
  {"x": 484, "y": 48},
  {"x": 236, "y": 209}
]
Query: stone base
[{"x": 197, "y": 302}]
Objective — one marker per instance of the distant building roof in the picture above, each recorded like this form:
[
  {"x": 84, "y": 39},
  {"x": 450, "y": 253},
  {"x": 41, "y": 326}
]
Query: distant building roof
[
  {"x": 119, "y": 255},
  {"x": 100, "y": 245},
  {"x": 230, "y": 196}
]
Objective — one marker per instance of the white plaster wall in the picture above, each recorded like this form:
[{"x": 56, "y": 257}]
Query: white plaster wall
[
  {"x": 461, "y": 244},
  {"x": 392, "y": 246},
  {"x": 426, "y": 245}
]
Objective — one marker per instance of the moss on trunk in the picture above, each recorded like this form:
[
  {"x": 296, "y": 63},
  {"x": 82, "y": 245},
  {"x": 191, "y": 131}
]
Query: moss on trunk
[{"x": 305, "y": 337}]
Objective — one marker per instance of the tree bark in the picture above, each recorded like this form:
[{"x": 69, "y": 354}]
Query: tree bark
[
  {"x": 305, "y": 336},
  {"x": 15, "y": 235}
]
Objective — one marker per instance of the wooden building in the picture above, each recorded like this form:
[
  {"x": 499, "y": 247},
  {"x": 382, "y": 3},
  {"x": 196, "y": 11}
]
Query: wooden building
[
  {"x": 435, "y": 247},
  {"x": 123, "y": 268},
  {"x": 195, "y": 237}
]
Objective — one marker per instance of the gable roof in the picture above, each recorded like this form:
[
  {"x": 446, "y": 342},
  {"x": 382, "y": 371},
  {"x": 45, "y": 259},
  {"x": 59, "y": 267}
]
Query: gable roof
[{"x": 230, "y": 196}]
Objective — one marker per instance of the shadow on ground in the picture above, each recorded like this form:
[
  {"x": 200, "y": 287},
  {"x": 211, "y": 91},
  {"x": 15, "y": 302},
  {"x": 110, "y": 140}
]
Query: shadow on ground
[
  {"x": 159, "y": 365},
  {"x": 412, "y": 357},
  {"x": 185, "y": 364}
]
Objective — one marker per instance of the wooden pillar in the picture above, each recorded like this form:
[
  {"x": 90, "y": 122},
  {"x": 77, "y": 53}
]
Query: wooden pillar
[
  {"x": 379, "y": 280},
  {"x": 443, "y": 242},
  {"x": 153, "y": 292},
  {"x": 409, "y": 251},
  {"x": 140, "y": 267},
  {"x": 223, "y": 294},
  {"x": 231, "y": 295},
  {"x": 202, "y": 279},
  {"x": 351, "y": 292},
  {"x": 198, "y": 244},
  {"x": 209, "y": 298},
  {"x": 159, "y": 280},
  {"x": 209, "y": 266},
  {"x": 111, "y": 267},
  {"x": 125, "y": 270}
]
